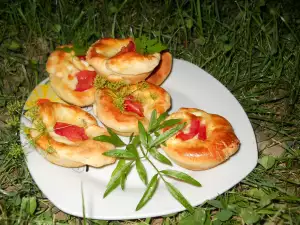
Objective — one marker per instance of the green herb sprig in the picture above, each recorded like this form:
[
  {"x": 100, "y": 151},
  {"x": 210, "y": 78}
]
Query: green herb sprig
[
  {"x": 79, "y": 50},
  {"x": 118, "y": 91},
  {"x": 146, "y": 143},
  {"x": 144, "y": 45}
]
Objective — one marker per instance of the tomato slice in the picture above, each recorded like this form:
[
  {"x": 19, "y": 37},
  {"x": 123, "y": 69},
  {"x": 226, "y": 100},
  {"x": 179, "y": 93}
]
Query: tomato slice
[
  {"x": 194, "y": 130},
  {"x": 85, "y": 80},
  {"x": 72, "y": 132},
  {"x": 202, "y": 132},
  {"x": 42, "y": 100},
  {"x": 129, "y": 48},
  {"x": 82, "y": 57},
  {"x": 133, "y": 106}
]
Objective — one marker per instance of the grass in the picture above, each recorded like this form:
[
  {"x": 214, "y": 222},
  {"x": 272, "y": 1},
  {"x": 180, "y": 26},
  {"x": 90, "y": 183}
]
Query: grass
[{"x": 252, "y": 47}]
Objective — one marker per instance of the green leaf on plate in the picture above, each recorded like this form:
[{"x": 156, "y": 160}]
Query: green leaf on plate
[
  {"x": 124, "y": 176},
  {"x": 115, "y": 178},
  {"x": 166, "y": 135},
  {"x": 143, "y": 134},
  {"x": 151, "y": 187},
  {"x": 103, "y": 138},
  {"x": 131, "y": 137},
  {"x": 136, "y": 141},
  {"x": 153, "y": 120},
  {"x": 162, "y": 117},
  {"x": 158, "y": 121},
  {"x": 179, "y": 197},
  {"x": 156, "y": 133},
  {"x": 169, "y": 123},
  {"x": 121, "y": 163},
  {"x": 224, "y": 215},
  {"x": 122, "y": 181},
  {"x": 120, "y": 153},
  {"x": 132, "y": 149},
  {"x": 160, "y": 157},
  {"x": 267, "y": 161},
  {"x": 117, "y": 141},
  {"x": 112, "y": 139},
  {"x": 181, "y": 176},
  {"x": 141, "y": 171}
]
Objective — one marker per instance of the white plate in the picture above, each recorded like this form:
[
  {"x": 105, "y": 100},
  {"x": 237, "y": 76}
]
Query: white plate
[{"x": 189, "y": 86}]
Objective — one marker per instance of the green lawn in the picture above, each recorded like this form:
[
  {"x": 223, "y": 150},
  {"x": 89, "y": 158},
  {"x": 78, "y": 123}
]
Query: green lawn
[{"x": 252, "y": 47}]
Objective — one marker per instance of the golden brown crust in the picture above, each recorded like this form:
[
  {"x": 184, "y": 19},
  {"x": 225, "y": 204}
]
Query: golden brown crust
[
  {"x": 125, "y": 123},
  {"x": 68, "y": 153},
  {"x": 195, "y": 154},
  {"x": 162, "y": 71},
  {"x": 131, "y": 67},
  {"x": 62, "y": 68}
]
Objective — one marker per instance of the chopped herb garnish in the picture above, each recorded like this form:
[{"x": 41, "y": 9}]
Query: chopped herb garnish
[
  {"x": 120, "y": 94},
  {"x": 101, "y": 82}
]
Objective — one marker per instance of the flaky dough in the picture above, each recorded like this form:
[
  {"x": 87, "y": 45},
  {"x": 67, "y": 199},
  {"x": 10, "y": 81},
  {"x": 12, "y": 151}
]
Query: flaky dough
[
  {"x": 64, "y": 152},
  {"x": 195, "y": 154},
  {"x": 62, "y": 67},
  {"x": 131, "y": 67},
  {"x": 125, "y": 123},
  {"x": 162, "y": 71}
]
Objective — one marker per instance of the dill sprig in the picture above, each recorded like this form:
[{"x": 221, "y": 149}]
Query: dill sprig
[
  {"x": 32, "y": 113},
  {"x": 39, "y": 126},
  {"x": 120, "y": 94},
  {"x": 118, "y": 99}
]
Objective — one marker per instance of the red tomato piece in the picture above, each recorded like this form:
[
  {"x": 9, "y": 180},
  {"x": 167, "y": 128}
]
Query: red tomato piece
[
  {"x": 194, "y": 130},
  {"x": 85, "y": 80},
  {"x": 42, "y": 100},
  {"x": 72, "y": 132},
  {"x": 82, "y": 57},
  {"x": 129, "y": 48},
  {"x": 202, "y": 132},
  {"x": 133, "y": 106}
]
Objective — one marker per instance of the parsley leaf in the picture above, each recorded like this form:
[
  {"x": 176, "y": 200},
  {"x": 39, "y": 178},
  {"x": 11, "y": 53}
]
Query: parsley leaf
[
  {"x": 145, "y": 45},
  {"x": 79, "y": 50}
]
